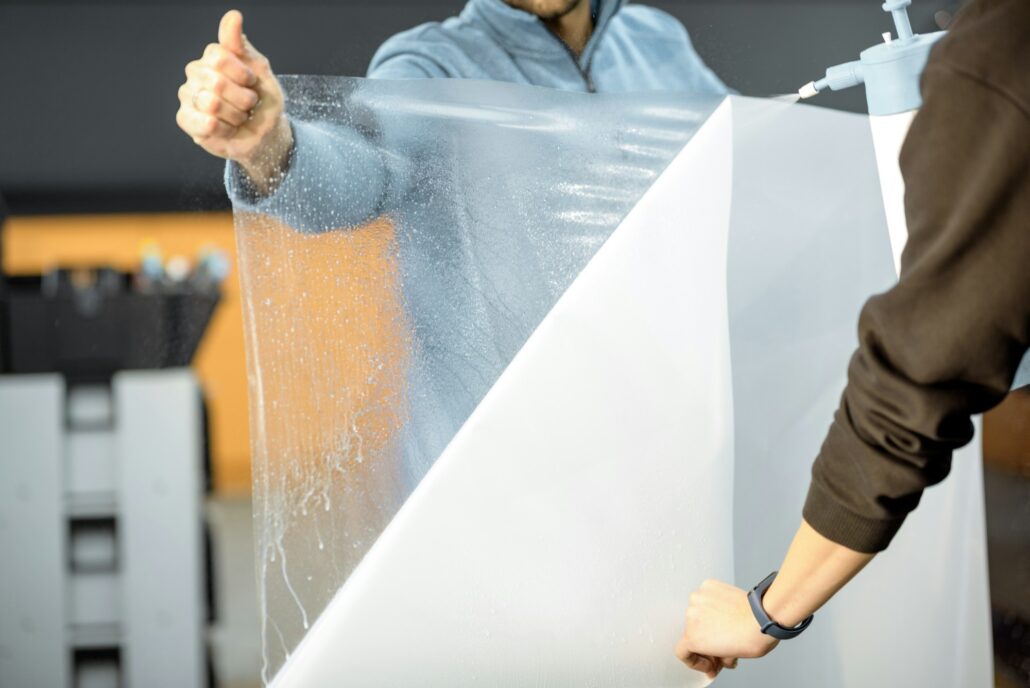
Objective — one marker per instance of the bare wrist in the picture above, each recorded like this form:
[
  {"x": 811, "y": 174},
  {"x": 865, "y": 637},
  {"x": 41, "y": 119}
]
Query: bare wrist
[
  {"x": 266, "y": 167},
  {"x": 778, "y": 605}
]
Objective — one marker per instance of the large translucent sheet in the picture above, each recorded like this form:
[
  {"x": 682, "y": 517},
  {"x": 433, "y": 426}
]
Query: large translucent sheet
[
  {"x": 424, "y": 231},
  {"x": 807, "y": 246},
  {"x": 430, "y": 231}
]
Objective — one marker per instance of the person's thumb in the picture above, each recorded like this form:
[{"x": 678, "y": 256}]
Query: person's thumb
[{"x": 230, "y": 33}]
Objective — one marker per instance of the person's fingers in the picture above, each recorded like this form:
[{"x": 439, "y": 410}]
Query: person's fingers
[
  {"x": 200, "y": 126},
  {"x": 210, "y": 104},
  {"x": 230, "y": 32},
  {"x": 713, "y": 586},
  {"x": 695, "y": 661},
  {"x": 728, "y": 662},
  {"x": 683, "y": 649},
  {"x": 224, "y": 61},
  {"x": 203, "y": 78},
  {"x": 700, "y": 663},
  {"x": 206, "y": 102},
  {"x": 230, "y": 35}
]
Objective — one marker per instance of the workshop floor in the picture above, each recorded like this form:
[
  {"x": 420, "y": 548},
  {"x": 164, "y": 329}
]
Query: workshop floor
[{"x": 236, "y": 635}]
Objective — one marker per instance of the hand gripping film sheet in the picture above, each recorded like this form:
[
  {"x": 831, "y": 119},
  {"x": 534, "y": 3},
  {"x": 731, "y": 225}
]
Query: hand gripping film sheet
[{"x": 527, "y": 366}]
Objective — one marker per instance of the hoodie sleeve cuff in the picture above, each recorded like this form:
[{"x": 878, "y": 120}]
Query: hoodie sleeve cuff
[
  {"x": 335, "y": 178},
  {"x": 835, "y": 522},
  {"x": 242, "y": 192}
]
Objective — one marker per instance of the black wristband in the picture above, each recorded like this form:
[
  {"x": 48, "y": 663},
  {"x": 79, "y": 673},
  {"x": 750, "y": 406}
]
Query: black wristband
[{"x": 770, "y": 627}]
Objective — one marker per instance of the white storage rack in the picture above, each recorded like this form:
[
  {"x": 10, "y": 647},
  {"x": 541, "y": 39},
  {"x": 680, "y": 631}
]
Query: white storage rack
[{"x": 101, "y": 532}]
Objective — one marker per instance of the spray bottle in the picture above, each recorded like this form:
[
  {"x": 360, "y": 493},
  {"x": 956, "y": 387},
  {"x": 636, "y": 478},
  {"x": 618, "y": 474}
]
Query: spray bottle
[{"x": 890, "y": 72}]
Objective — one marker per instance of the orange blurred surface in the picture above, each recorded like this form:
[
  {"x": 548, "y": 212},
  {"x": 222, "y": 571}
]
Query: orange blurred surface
[
  {"x": 1007, "y": 435},
  {"x": 328, "y": 333}
]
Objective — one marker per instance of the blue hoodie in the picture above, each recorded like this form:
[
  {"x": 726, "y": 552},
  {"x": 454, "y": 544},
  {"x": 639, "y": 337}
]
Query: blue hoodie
[
  {"x": 632, "y": 48},
  {"x": 470, "y": 300}
]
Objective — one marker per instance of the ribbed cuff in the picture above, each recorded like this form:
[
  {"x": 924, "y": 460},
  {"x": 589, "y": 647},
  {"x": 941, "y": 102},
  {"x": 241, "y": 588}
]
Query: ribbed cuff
[
  {"x": 242, "y": 192},
  {"x": 835, "y": 522},
  {"x": 239, "y": 188}
]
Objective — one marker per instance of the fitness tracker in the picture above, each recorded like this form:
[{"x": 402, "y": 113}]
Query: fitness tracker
[{"x": 770, "y": 627}]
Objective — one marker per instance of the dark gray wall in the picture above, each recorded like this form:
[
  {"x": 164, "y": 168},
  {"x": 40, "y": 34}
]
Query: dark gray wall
[{"x": 88, "y": 89}]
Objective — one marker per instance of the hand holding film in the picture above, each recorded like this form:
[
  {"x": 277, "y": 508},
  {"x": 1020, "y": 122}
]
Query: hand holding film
[{"x": 232, "y": 105}]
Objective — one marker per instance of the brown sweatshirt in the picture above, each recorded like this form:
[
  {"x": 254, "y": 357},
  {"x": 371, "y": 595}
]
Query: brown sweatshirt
[{"x": 945, "y": 342}]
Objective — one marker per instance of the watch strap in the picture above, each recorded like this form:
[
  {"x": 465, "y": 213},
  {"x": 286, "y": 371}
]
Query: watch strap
[{"x": 765, "y": 622}]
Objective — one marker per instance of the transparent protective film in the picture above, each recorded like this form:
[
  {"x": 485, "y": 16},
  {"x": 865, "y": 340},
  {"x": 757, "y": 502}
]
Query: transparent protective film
[
  {"x": 561, "y": 358},
  {"x": 423, "y": 231}
]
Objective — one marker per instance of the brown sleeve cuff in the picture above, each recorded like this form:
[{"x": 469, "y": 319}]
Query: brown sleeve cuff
[{"x": 835, "y": 522}]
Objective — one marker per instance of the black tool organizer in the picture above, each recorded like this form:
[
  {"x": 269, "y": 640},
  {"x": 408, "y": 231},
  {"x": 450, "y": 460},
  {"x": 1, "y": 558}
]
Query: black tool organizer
[
  {"x": 89, "y": 324},
  {"x": 88, "y": 332}
]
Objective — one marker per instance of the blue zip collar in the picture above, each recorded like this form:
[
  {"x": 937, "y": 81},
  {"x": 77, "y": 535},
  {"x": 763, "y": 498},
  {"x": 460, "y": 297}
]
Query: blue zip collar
[{"x": 521, "y": 32}]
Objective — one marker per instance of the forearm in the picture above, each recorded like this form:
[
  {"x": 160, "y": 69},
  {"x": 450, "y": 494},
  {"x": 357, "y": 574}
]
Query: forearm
[
  {"x": 266, "y": 169},
  {"x": 814, "y": 569}
]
